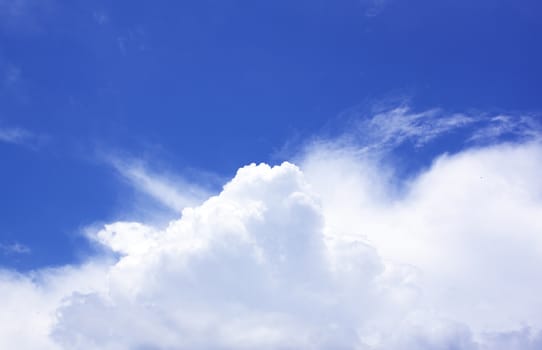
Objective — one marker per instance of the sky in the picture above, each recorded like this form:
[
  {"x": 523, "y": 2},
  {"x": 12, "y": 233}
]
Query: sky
[{"x": 276, "y": 175}]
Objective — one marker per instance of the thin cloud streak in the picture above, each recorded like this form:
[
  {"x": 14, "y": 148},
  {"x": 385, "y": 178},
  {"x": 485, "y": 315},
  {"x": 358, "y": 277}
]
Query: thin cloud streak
[
  {"x": 22, "y": 137},
  {"x": 14, "y": 135},
  {"x": 175, "y": 193},
  {"x": 387, "y": 129}
]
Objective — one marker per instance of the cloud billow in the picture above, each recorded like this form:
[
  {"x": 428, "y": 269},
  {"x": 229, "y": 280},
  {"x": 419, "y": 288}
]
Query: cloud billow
[{"x": 325, "y": 254}]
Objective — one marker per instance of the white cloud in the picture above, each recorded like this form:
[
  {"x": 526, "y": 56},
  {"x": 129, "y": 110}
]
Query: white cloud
[
  {"x": 173, "y": 192},
  {"x": 506, "y": 125},
  {"x": 400, "y": 124},
  {"x": 388, "y": 128},
  {"x": 329, "y": 254},
  {"x": 29, "y": 302},
  {"x": 468, "y": 224}
]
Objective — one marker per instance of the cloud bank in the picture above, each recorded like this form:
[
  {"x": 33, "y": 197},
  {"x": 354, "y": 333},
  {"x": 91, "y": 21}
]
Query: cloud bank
[{"x": 325, "y": 254}]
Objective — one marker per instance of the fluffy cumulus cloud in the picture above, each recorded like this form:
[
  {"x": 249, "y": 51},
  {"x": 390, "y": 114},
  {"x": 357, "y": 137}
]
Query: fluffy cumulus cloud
[{"x": 331, "y": 253}]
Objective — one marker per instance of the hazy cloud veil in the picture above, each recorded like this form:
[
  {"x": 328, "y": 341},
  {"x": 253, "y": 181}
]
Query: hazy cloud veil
[{"x": 327, "y": 253}]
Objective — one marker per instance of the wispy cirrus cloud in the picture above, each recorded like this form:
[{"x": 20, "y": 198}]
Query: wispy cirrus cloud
[
  {"x": 16, "y": 135},
  {"x": 174, "y": 192},
  {"x": 524, "y": 126},
  {"x": 22, "y": 137},
  {"x": 385, "y": 129},
  {"x": 398, "y": 125}
]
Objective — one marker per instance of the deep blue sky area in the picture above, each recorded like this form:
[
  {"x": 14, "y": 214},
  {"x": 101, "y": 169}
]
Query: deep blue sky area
[{"x": 214, "y": 85}]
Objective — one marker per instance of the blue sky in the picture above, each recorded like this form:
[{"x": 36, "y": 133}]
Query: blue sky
[
  {"x": 131, "y": 111},
  {"x": 213, "y": 85}
]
